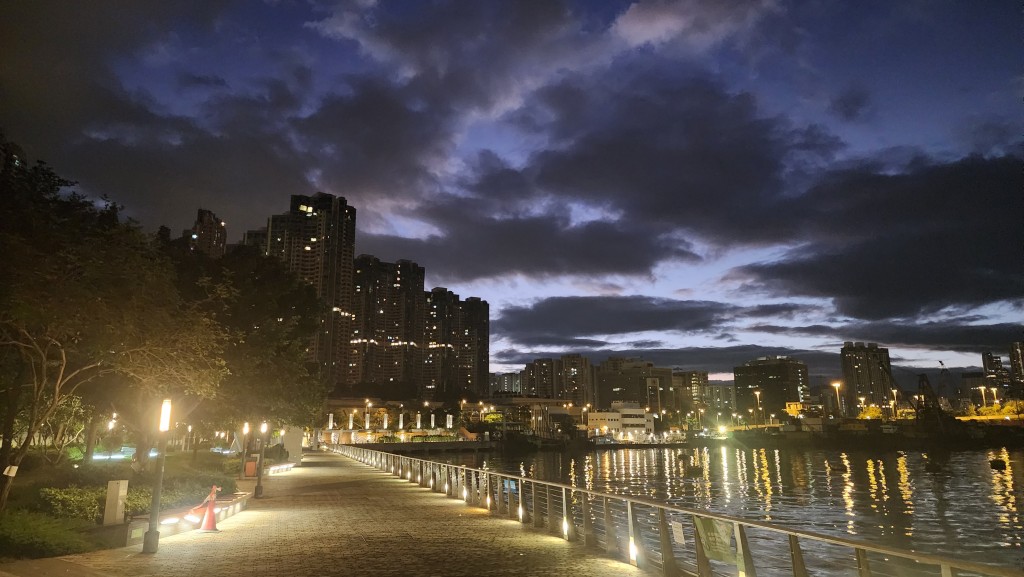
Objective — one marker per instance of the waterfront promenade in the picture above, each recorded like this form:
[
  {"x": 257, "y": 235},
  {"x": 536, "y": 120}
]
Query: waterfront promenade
[{"x": 335, "y": 516}]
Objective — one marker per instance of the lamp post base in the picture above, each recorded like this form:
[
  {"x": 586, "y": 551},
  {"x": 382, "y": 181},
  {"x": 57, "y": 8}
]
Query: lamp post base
[
  {"x": 150, "y": 541},
  {"x": 258, "y": 493}
]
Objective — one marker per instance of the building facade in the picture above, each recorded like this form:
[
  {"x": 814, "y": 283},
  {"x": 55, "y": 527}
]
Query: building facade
[
  {"x": 765, "y": 385},
  {"x": 316, "y": 240},
  {"x": 209, "y": 234},
  {"x": 387, "y": 346},
  {"x": 633, "y": 381},
  {"x": 867, "y": 373},
  {"x": 1017, "y": 363},
  {"x": 457, "y": 336}
]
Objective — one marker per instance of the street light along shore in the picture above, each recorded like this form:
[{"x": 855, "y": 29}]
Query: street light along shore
[{"x": 151, "y": 540}]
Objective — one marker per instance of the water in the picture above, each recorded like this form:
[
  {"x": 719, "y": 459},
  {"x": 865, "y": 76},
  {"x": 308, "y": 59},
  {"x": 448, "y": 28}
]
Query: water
[{"x": 951, "y": 503}]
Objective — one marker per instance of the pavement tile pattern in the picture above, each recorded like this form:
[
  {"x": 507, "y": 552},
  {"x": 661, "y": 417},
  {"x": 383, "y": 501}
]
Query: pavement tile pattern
[{"x": 335, "y": 516}]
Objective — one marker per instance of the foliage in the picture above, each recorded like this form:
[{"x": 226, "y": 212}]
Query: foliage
[
  {"x": 72, "y": 502},
  {"x": 64, "y": 427},
  {"x": 270, "y": 317},
  {"x": 34, "y": 535},
  {"x": 86, "y": 296},
  {"x": 872, "y": 412}
]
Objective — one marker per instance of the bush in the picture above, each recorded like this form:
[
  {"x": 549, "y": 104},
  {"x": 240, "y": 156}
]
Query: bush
[
  {"x": 72, "y": 502},
  {"x": 34, "y": 535}
]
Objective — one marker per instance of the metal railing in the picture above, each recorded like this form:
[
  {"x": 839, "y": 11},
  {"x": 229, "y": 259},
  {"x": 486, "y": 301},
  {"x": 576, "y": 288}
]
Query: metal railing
[{"x": 664, "y": 539}]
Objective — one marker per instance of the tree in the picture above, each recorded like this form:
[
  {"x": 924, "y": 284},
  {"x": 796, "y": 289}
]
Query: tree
[
  {"x": 270, "y": 318},
  {"x": 871, "y": 412},
  {"x": 86, "y": 295}
]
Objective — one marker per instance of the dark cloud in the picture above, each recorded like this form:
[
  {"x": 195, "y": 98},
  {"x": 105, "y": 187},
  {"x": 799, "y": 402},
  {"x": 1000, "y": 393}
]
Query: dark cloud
[
  {"x": 479, "y": 245},
  {"x": 189, "y": 80},
  {"x": 587, "y": 316},
  {"x": 951, "y": 335},
  {"x": 56, "y": 77},
  {"x": 851, "y": 105},
  {"x": 558, "y": 319},
  {"x": 673, "y": 150},
  {"x": 902, "y": 245},
  {"x": 710, "y": 359}
]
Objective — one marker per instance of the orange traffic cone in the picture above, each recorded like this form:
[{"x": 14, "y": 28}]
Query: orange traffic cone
[{"x": 210, "y": 517}]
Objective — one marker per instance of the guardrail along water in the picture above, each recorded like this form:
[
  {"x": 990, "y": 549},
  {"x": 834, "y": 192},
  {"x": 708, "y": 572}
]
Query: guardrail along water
[{"x": 661, "y": 538}]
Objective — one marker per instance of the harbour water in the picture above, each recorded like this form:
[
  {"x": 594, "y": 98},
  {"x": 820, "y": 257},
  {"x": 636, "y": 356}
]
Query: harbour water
[{"x": 946, "y": 503}]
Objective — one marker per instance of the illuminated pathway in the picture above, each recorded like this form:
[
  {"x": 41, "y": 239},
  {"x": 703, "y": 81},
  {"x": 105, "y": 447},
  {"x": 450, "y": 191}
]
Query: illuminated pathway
[{"x": 334, "y": 516}]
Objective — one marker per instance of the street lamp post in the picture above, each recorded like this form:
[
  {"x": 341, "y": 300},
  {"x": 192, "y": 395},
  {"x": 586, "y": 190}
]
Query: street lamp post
[
  {"x": 259, "y": 465},
  {"x": 982, "y": 389},
  {"x": 151, "y": 540},
  {"x": 995, "y": 399},
  {"x": 757, "y": 395},
  {"x": 242, "y": 447}
]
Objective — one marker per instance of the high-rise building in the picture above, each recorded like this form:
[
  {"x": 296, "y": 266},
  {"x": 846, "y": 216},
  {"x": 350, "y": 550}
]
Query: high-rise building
[
  {"x": 387, "y": 346},
  {"x": 506, "y": 384},
  {"x": 209, "y": 234},
  {"x": 542, "y": 377},
  {"x": 475, "y": 345},
  {"x": 866, "y": 373},
  {"x": 1017, "y": 363},
  {"x": 316, "y": 240},
  {"x": 256, "y": 238},
  {"x": 635, "y": 381},
  {"x": 779, "y": 380},
  {"x": 577, "y": 382},
  {"x": 996, "y": 375},
  {"x": 457, "y": 337},
  {"x": 694, "y": 388}
]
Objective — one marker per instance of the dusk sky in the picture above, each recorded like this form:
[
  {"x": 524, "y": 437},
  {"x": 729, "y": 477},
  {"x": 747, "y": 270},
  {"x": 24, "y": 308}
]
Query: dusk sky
[{"x": 697, "y": 183}]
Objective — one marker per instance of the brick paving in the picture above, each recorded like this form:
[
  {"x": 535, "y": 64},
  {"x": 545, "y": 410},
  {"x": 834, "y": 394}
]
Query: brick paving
[{"x": 336, "y": 516}]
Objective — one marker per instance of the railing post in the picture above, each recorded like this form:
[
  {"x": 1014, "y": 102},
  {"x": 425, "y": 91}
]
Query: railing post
[
  {"x": 568, "y": 521},
  {"x": 538, "y": 520},
  {"x": 744, "y": 560},
  {"x": 799, "y": 569},
  {"x": 863, "y": 568},
  {"x": 589, "y": 538},
  {"x": 611, "y": 544},
  {"x": 552, "y": 523},
  {"x": 637, "y": 555},
  {"x": 668, "y": 559}
]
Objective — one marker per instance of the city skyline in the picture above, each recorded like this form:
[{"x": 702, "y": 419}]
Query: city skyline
[{"x": 698, "y": 184}]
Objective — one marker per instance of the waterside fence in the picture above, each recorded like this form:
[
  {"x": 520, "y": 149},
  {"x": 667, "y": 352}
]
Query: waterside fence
[{"x": 661, "y": 538}]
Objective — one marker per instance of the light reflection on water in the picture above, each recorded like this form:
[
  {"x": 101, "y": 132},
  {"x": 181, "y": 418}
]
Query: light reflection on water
[{"x": 946, "y": 503}]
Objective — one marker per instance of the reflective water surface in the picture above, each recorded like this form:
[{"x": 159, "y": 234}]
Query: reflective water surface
[{"x": 946, "y": 503}]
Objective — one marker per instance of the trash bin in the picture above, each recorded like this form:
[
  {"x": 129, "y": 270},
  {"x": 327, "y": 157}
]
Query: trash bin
[{"x": 251, "y": 462}]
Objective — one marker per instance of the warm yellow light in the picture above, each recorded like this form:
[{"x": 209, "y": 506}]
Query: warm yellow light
[
  {"x": 565, "y": 527},
  {"x": 263, "y": 427},
  {"x": 245, "y": 428},
  {"x": 632, "y": 550},
  {"x": 165, "y": 416}
]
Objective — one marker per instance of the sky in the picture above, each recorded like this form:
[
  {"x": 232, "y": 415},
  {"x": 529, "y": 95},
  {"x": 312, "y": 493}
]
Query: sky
[{"x": 695, "y": 183}]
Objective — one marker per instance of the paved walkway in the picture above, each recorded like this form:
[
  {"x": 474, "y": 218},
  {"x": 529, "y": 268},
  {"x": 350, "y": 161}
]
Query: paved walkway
[{"x": 336, "y": 516}]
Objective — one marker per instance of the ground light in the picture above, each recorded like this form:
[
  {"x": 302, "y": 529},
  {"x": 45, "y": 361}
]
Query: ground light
[{"x": 151, "y": 540}]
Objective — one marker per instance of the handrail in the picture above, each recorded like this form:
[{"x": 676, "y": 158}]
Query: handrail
[{"x": 473, "y": 483}]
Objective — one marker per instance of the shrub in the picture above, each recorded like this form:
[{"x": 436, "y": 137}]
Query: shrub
[
  {"x": 72, "y": 502},
  {"x": 34, "y": 535}
]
